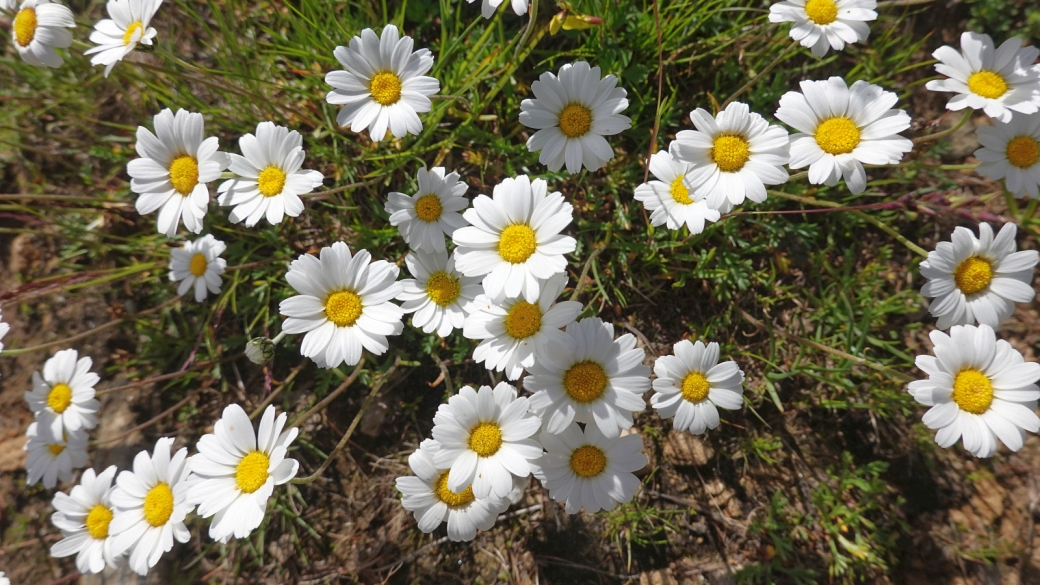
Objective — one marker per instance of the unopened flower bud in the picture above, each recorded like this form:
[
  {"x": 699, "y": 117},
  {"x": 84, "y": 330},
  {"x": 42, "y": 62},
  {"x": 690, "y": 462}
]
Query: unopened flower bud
[{"x": 260, "y": 350}]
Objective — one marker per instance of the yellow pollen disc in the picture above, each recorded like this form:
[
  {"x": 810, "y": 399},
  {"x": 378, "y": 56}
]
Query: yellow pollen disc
[
  {"x": 271, "y": 181},
  {"x": 588, "y": 461},
  {"x": 972, "y": 391},
  {"x": 730, "y": 152},
  {"x": 443, "y": 289},
  {"x": 386, "y": 88},
  {"x": 523, "y": 320},
  {"x": 428, "y": 208},
  {"x": 158, "y": 505},
  {"x": 451, "y": 498},
  {"x": 198, "y": 265},
  {"x": 695, "y": 387},
  {"x": 585, "y": 382},
  {"x": 343, "y": 308},
  {"x": 128, "y": 36},
  {"x": 1023, "y": 151},
  {"x": 679, "y": 192},
  {"x": 55, "y": 449},
  {"x": 837, "y": 135},
  {"x": 184, "y": 174},
  {"x": 25, "y": 27},
  {"x": 821, "y": 11},
  {"x": 97, "y": 522},
  {"x": 517, "y": 243},
  {"x": 575, "y": 120},
  {"x": 987, "y": 84},
  {"x": 59, "y": 398},
  {"x": 485, "y": 439},
  {"x": 973, "y": 275},
  {"x": 251, "y": 473}
]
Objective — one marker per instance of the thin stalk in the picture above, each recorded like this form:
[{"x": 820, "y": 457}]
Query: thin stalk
[
  {"x": 936, "y": 136},
  {"x": 779, "y": 59},
  {"x": 660, "y": 91},
  {"x": 332, "y": 395}
]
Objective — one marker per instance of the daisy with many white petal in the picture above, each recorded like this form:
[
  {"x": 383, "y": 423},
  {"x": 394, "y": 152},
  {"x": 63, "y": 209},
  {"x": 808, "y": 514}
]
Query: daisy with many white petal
[
  {"x": 980, "y": 390},
  {"x": 119, "y": 35},
  {"x": 343, "y": 306},
  {"x": 823, "y": 24},
  {"x": 515, "y": 333},
  {"x": 485, "y": 440},
  {"x": 198, "y": 265},
  {"x": 151, "y": 503},
  {"x": 1012, "y": 152},
  {"x": 270, "y": 180},
  {"x": 515, "y": 238},
  {"x": 671, "y": 199},
  {"x": 978, "y": 279},
  {"x": 83, "y": 516},
  {"x": 488, "y": 7},
  {"x": 841, "y": 128},
  {"x": 439, "y": 295},
  {"x": 427, "y": 497},
  {"x": 692, "y": 385},
  {"x": 236, "y": 470},
  {"x": 63, "y": 397},
  {"x": 1000, "y": 81},
  {"x": 39, "y": 28},
  {"x": 426, "y": 217},
  {"x": 734, "y": 155},
  {"x": 384, "y": 84},
  {"x": 52, "y": 457},
  {"x": 572, "y": 113},
  {"x": 175, "y": 166}
]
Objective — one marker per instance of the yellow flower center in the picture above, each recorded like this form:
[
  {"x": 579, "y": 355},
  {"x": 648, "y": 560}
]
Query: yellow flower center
[
  {"x": 987, "y": 84},
  {"x": 837, "y": 135},
  {"x": 97, "y": 522},
  {"x": 343, "y": 308},
  {"x": 451, "y": 498},
  {"x": 730, "y": 152},
  {"x": 443, "y": 288},
  {"x": 128, "y": 36},
  {"x": 428, "y": 208},
  {"x": 158, "y": 505},
  {"x": 25, "y": 27},
  {"x": 60, "y": 397},
  {"x": 679, "y": 191},
  {"x": 973, "y": 275},
  {"x": 695, "y": 387},
  {"x": 588, "y": 461},
  {"x": 198, "y": 265},
  {"x": 585, "y": 382},
  {"x": 821, "y": 11},
  {"x": 575, "y": 120},
  {"x": 386, "y": 88},
  {"x": 271, "y": 181},
  {"x": 972, "y": 391},
  {"x": 1023, "y": 151},
  {"x": 251, "y": 473},
  {"x": 523, "y": 320},
  {"x": 517, "y": 243},
  {"x": 184, "y": 174},
  {"x": 55, "y": 449},
  {"x": 485, "y": 439}
]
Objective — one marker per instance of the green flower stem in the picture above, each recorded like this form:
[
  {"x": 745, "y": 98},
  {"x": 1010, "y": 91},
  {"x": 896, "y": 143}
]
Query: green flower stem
[{"x": 937, "y": 135}]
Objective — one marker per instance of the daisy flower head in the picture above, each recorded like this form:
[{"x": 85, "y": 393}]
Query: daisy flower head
[
  {"x": 1012, "y": 152},
  {"x": 978, "y": 279},
  {"x": 439, "y": 295},
  {"x": 592, "y": 379},
  {"x": 426, "y": 217},
  {"x": 823, "y": 24},
  {"x": 118, "y": 36},
  {"x": 671, "y": 198},
  {"x": 840, "y": 128},
  {"x": 236, "y": 470},
  {"x": 83, "y": 516},
  {"x": 427, "y": 496},
  {"x": 150, "y": 506},
  {"x": 514, "y": 239},
  {"x": 384, "y": 84},
  {"x": 734, "y": 155},
  {"x": 270, "y": 180},
  {"x": 52, "y": 456},
  {"x": 1000, "y": 81},
  {"x": 515, "y": 333},
  {"x": 198, "y": 265},
  {"x": 39, "y": 28},
  {"x": 572, "y": 113},
  {"x": 692, "y": 385},
  {"x": 343, "y": 306},
  {"x": 980, "y": 389},
  {"x": 485, "y": 439},
  {"x": 488, "y": 7},
  {"x": 63, "y": 397},
  {"x": 175, "y": 166}
]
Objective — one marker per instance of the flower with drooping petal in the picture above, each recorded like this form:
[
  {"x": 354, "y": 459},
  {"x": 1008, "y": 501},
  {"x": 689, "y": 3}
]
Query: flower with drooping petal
[
  {"x": 671, "y": 198},
  {"x": 84, "y": 516},
  {"x": 439, "y": 295},
  {"x": 198, "y": 265},
  {"x": 426, "y": 217},
  {"x": 39, "y": 28},
  {"x": 118, "y": 36},
  {"x": 692, "y": 385},
  {"x": 1012, "y": 152},
  {"x": 52, "y": 457},
  {"x": 63, "y": 397},
  {"x": 823, "y": 24}
]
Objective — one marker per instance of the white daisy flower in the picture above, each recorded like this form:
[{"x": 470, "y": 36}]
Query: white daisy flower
[
  {"x": 484, "y": 438},
  {"x": 488, "y": 8},
  {"x": 63, "y": 397},
  {"x": 671, "y": 199},
  {"x": 176, "y": 164},
  {"x": 150, "y": 506},
  {"x": 4, "y": 328},
  {"x": 592, "y": 379},
  {"x": 734, "y": 155},
  {"x": 384, "y": 84},
  {"x": 1000, "y": 81},
  {"x": 343, "y": 306},
  {"x": 1012, "y": 152},
  {"x": 427, "y": 497},
  {"x": 198, "y": 265},
  {"x": 39, "y": 28},
  {"x": 516, "y": 333},
  {"x": 691, "y": 386},
  {"x": 52, "y": 457},
  {"x": 978, "y": 279},
  {"x": 820, "y": 24},
  {"x": 83, "y": 516},
  {"x": 236, "y": 470},
  {"x": 840, "y": 128},
  {"x": 426, "y": 217},
  {"x": 118, "y": 36},
  {"x": 439, "y": 295},
  {"x": 515, "y": 238},
  {"x": 270, "y": 181},
  {"x": 980, "y": 390}
]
